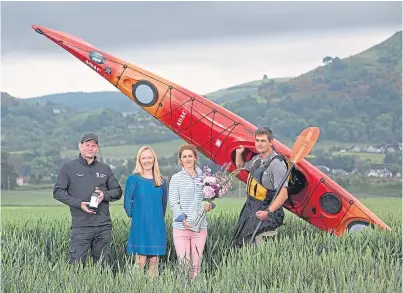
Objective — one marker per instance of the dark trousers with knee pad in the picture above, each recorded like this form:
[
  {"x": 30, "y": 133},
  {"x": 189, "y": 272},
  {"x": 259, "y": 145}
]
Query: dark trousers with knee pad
[{"x": 98, "y": 239}]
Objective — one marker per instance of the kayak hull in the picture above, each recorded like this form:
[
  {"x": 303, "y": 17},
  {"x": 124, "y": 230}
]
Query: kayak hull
[{"x": 217, "y": 133}]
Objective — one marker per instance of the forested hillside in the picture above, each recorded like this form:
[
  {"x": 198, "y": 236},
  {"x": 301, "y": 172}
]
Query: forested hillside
[
  {"x": 352, "y": 100},
  {"x": 51, "y": 127}
]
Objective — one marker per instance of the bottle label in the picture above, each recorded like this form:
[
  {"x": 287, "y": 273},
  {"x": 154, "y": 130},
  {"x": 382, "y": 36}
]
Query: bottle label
[{"x": 94, "y": 202}]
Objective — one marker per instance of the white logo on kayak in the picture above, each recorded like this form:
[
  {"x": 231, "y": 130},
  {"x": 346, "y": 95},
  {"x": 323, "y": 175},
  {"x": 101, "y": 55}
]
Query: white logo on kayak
[
  {"x": 93, "y": 66},
  {"x": 181, "y": 118},
  {"x": 97, "y": 57}
]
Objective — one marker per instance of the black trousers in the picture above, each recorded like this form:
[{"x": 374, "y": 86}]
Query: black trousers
[{"x": 98, "y": 239}]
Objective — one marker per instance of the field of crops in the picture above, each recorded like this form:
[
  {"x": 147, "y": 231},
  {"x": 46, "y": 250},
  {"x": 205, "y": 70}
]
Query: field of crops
[
  {"x": 301, "y": 259},
  {"x": 163, "y": 149}
]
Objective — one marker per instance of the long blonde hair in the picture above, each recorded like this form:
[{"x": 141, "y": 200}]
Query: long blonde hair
[{"x": 156, "y": 168}]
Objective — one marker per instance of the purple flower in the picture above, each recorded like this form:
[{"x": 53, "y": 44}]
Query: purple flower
[
  {"x": 209, "y": 180},
  {"x": 216, "y": 185},
  {"x": 208, "y": 192}
]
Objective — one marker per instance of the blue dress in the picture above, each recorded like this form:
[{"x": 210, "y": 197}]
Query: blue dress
[{"x": 146, "y": 205}]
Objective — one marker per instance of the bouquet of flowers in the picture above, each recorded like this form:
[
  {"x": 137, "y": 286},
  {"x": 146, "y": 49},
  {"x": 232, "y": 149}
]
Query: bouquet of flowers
[{"x": 214, "y": 186}]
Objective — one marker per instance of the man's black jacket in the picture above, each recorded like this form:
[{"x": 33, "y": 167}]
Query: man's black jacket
[{"x": 76, "y": 182}]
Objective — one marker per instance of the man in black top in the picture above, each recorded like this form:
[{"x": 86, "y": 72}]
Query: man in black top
[{"x": 75, "y": 183}]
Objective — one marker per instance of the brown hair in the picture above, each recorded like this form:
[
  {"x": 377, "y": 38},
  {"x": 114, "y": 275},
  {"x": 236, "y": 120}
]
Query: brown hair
[
  {"x": 186, "y": 147},
  {"x": 265, "y": 131}
]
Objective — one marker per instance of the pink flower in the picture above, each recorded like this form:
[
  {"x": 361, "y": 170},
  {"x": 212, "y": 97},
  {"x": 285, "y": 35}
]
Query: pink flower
[
  {"x": 210, "y": 180},
  {"x": 208, "y": 192},
  {"x": 216, "y": 185}
]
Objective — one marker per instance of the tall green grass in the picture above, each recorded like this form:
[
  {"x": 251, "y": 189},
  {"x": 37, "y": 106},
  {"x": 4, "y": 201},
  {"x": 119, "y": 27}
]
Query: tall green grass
[{"x": 35, "y": 243}]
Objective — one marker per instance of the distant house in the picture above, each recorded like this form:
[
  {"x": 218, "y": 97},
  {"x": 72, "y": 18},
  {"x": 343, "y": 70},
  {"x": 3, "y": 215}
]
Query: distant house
[
  {"x": 370, "y": 149},
  {"x": 19, "y": 181},
  {"x": 323, "y": 168},
  {"x": 386, "y": 173},
  {"x": 390, "y": 150},
  {"x": 22, "y": 180},
  {"x": 339, "y": 172},
  {"x": 398, "y": 175},
  {"x": 380, "y": 150},
  {"x": 380, "y": 173},
  {"x": 355, "y": 149},
  {"x": 127, "y": 113},
  {"x": 153, "y": 124},
  {"x": 355, "y": 171}
]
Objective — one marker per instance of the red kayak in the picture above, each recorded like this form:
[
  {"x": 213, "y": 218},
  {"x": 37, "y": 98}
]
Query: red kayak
[{"x": 217, "y": 132}]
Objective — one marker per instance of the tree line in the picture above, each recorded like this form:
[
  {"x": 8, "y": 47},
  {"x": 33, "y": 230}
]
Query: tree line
[
  {"x": 43, "y": 128},
  {"x": 376, "y": 117}
]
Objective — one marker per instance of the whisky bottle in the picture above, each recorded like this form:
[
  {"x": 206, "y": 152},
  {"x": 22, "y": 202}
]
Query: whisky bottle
[{"x": 93, "y": 206}]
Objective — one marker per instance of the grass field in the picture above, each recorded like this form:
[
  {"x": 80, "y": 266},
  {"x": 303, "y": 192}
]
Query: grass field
[
  {"x": 35, "y": 243},
  {"x": 372, "y": 157},
  {"x": 44, "y": 197},
  {"x": 28, "y": 198}
]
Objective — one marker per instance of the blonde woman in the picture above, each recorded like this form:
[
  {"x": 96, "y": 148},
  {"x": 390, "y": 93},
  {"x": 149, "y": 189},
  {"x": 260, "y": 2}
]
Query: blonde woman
[
  {"x": 185, "y": 198},
  {"x": 145, "y": 201}
]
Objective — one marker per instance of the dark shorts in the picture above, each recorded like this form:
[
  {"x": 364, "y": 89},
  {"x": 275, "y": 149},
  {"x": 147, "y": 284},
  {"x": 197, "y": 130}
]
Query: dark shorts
[
  {"x": 98, "y": 239},
  {"x": 248, "y": 222}
]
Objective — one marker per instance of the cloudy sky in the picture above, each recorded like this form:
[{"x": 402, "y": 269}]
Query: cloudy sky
[{"x": 203, "y": 46}]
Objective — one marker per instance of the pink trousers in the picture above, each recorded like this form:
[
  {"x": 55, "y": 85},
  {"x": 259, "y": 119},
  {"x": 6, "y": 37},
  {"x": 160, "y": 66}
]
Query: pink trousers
[{"x": 189, "y": 248}]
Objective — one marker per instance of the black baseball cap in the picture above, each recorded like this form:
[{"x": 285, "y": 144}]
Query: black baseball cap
[{"x": 89, "y": 136}]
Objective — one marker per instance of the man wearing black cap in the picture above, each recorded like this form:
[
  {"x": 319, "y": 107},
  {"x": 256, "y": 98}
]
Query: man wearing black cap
[
  {"x": 266, "y": 170},
  {"x": 75, "y": 183}
]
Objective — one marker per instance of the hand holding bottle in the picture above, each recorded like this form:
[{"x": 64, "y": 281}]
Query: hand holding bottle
[
  {"x": 94, "y": 202},
  {"x": 100, "y": 196},
  {"x": 84, "y": 207}
]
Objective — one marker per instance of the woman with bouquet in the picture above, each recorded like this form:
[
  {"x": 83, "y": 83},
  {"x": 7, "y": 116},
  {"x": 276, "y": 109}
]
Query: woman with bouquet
[{"x": 186, "y": 199}]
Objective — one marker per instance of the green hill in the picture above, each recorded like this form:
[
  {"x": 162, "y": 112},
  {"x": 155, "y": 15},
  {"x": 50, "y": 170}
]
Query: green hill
[
  {"x": 241, "y": 91},
  {"x": 349, "y": 77},
  {"x": 51, "y": 127},
  {"x": 80, "y": 101},
  {"x": 352, "y": 99}
]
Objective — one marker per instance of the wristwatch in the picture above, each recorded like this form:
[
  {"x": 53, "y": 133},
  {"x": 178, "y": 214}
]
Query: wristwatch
[{"x": 269, "y": 213}]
